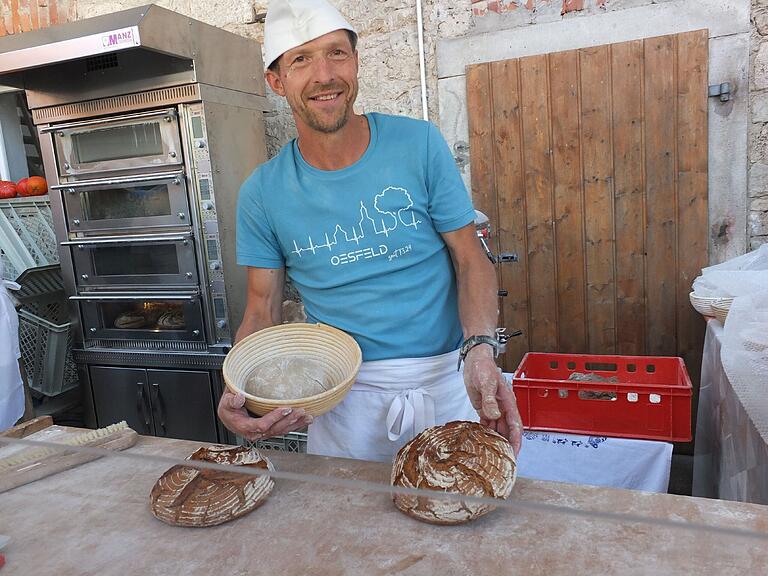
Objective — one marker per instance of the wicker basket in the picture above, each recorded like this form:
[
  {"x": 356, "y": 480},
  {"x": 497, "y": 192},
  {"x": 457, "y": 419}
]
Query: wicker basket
[
  {"x": 703, "y": 304},
  {"x": 720, "y": 308},
  {"x": 333, "y": 348}
]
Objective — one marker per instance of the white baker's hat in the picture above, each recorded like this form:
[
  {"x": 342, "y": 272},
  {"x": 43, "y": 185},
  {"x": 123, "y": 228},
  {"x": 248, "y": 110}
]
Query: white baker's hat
[{"x": 291, "y": 23}]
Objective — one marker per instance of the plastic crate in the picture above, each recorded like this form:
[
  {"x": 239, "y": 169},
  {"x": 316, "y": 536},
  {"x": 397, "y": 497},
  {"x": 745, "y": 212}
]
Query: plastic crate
[
  {"x": 651, "y": 400},
  {"x": 291, "y": 442},
  {"x": 27, "y": 235},
  {"x": 45, "y": 339}
]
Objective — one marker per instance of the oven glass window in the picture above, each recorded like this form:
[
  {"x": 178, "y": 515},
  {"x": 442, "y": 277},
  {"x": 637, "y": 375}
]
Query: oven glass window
[
  {"x": 139, "y": 259},
  {"x": 129, "y": 202},
  {"x": 117, "y": 143},
  {"x": 154, "y": 316}
]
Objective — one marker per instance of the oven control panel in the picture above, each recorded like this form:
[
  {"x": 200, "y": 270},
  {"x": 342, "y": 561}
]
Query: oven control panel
[{"x": 211, "y": 246}]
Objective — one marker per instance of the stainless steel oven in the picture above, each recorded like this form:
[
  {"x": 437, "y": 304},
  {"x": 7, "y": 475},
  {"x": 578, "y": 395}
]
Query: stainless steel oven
[
  {"x": 130, "y": 260},
  {"x": 145, "y": 145},
  {"x": 112, "y": 318},
  {"x": 142, "y": 141},
  {"x": 126, "y": 203}
]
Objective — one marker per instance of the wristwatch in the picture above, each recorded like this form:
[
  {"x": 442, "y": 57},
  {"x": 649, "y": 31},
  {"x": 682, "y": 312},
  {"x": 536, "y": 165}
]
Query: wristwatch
[{"x": 473, "y": 341}]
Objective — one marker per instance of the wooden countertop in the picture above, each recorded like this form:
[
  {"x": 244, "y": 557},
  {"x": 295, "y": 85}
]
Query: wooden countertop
[{"x": 95, "y": 520}]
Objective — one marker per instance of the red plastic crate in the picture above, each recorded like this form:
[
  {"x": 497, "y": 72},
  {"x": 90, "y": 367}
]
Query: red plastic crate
[{"x": 651, "y": 400}]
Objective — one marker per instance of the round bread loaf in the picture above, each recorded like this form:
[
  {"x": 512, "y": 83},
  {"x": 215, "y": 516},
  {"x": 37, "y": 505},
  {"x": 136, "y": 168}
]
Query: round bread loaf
[
  {"x": 460, "y": 457},
  {"x": 131, "y": 320},
  {"x": 188, "y": 496}
]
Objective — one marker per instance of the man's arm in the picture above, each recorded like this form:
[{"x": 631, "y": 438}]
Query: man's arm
[
  {"x": 263, "y": 308},
  {"x": 478, "y": 313}
]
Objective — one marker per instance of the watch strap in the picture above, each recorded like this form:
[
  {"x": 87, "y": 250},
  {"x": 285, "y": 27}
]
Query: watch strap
[{"x": 476, "y": 340}]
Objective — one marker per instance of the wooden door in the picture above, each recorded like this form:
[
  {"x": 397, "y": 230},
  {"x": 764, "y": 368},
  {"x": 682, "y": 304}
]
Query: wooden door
[{"x": 592, "y": 166}]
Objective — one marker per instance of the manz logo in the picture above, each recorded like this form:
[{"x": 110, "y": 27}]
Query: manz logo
[{"x": 122, "y": 37}]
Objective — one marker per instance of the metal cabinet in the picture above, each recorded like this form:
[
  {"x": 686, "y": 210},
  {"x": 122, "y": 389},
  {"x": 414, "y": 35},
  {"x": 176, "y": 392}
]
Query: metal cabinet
[{"x": 170, "y": 403}]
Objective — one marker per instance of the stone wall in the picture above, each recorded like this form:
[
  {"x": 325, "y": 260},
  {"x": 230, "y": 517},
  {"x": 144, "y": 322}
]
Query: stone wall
[
  {"x": 389, "y": 75},
  {"x": 757, "y": 221},
  {"x": 389, "y": 58}
]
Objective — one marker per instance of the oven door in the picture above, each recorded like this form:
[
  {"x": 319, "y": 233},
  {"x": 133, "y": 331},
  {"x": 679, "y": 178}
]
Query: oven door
[
  {"x": 151, "y": 260},
  {"x": 127, "y": 203},
  {"x": 141, "y": 141},
  {"x": 141, "y": 320}
]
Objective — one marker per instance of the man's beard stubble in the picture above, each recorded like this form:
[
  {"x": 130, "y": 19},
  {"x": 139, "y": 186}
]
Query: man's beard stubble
[{"x": 313, "y": 120}]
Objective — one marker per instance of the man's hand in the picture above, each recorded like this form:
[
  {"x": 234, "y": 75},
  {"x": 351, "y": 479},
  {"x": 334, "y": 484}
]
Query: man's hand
[
  {"x": 490, "y": 396},
  {"x": 235, "y": 417}
]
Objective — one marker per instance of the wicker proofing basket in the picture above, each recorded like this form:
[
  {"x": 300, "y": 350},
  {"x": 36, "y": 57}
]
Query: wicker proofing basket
[
  {"x": 703, "y": 304},
  {"x": 334, "y": 348},
  {"x": 720, "y": 309}
]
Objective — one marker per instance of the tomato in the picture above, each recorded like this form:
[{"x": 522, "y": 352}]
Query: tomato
[
  {"x": 7, "y": 189},
  {"x": 21, "y": 187},
  {"x": 36, "y": 186}
]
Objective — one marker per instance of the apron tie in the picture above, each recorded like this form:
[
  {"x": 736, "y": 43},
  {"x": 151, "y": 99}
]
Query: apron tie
[{"x": 410, "y": 412}]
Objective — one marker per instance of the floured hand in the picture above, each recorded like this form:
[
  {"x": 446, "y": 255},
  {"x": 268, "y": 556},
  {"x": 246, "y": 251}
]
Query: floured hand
[{"x": 280, "y": 421}]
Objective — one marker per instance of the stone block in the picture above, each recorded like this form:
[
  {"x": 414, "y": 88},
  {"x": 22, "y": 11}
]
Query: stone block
[
  {"x": 758, "y": 223},
  {"x": 760, "y": 78},
  {"x": 758, "y": 180},
  {"x": 759, "y": 204},
  {"x": 761, "y": 23},
  {"x": 759, "y": 112},
  {"x": 756, "y": 241}
]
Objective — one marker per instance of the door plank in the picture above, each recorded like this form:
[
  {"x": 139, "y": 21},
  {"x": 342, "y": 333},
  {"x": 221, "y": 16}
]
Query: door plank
[
  {"x": 568, "y": 201},
  {"x": 534, "y": 98},
  {"x": 511, "y": 205},
  {"x": 629, "y": 196},
  {"x": 598, "y": 198},
  {"x": 693, "y": 210},
  {"x": 660, "y": 165}
]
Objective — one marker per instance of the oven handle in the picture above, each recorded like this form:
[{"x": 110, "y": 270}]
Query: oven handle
[
  {"x": 114, "y": 297},
  {"x": 154, "y": 177},
  {"x": 101, "y": 121},
  {"x": 158, "y": 238}
]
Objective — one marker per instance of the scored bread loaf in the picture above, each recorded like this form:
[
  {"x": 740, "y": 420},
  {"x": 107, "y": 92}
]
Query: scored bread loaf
[
  {"x": 189, "y": 496},
  {"x": 461, "y": 457}
]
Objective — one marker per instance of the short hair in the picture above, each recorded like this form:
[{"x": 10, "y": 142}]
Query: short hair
[{"x": 275, "y": 66}]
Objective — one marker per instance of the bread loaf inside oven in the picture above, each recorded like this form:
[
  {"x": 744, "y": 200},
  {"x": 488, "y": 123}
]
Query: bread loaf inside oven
[{"x": 461, "y": 457}]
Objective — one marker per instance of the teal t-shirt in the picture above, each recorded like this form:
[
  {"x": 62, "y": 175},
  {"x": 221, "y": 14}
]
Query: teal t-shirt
[{"x": 362, "y": 245}]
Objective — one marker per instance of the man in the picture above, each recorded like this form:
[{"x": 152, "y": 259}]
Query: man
[{"x": 369, "y": 217}]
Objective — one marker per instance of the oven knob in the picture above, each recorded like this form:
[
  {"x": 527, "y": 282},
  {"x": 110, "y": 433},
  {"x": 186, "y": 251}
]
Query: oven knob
[
  {"x": 167, "y": 118},
  {"x": 196, "y": 332},
  {"x": 215, "y": 265},
  {"x": 67, "y": 166},
  {"x": 181, "y": 215},
  {"x": 200, "y": 143},
  {"x": 84, "y": 276},
  {"x": 221, "y": 324},
  {"x": 71, "y": 190},
  {"x": 207, "y": 205},
  {"x": 172, "y": 154},
  {"x": 92, "y": 330},
  {"x": 60, "y": 134},
  {"x": 76, "y": 222},
  {"x": 188, "y": 274}
]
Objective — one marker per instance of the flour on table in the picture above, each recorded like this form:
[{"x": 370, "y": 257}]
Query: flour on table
[{"x": 288, "y": 378}]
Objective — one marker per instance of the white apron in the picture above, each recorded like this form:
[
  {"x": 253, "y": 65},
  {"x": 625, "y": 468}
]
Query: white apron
[
  {"x": 391, "y": 402},
  {"x": 11, "y": 389}
]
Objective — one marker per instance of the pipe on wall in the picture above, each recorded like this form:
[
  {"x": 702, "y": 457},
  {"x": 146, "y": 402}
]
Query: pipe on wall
[{"x": 422, "y": 66}]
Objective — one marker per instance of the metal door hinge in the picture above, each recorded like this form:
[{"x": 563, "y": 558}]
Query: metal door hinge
[{"x": 722, "y": 90}]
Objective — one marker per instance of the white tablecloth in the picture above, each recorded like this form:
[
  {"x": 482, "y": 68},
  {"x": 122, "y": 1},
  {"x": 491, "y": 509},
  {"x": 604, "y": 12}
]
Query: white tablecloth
[
  {"x": 730, "y": 457},
  {"x": 596, "y": 460}
]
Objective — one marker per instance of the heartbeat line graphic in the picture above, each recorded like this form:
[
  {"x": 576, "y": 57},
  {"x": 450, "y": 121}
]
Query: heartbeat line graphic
[{"x": 392, "y": 207}]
